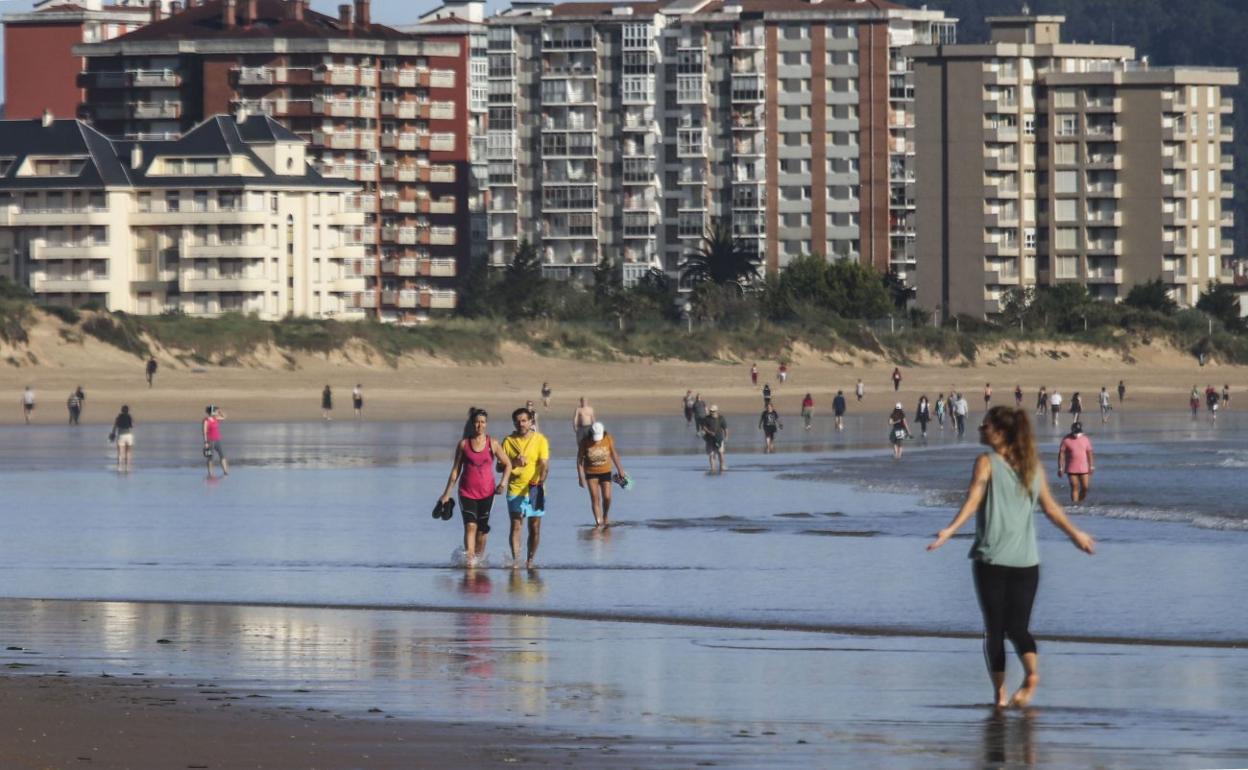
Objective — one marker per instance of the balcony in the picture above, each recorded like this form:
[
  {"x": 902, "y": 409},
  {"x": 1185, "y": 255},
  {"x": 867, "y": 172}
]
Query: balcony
[
  {"x": 1104, "y": 218},
  {"x": 1226, "y": 247},
  {"x": 1105, "y": 133},
  {"x": 1001, "y": 162},
  {"x": 1105, "y": 190},
  {"x": 1001, "y": 76},
  {"x": 436, "y": 268},
  {"x": 155, "y": 110},
  {"x": 1002, "y": 219},
  {"x": 1105, "y": 247},
  {"x": 749, "y": 39},
  {"x": 85, "y": 284},
  {"x": 190, "y": 214},
  {"x": 1227, "y": 162},
  {"x": 346, "y": 76},
  {"x": 155, "y": 78},
  {"x": 1228, "y": 133},
  {"x": 1001, "y": 277},
  {"x": 363, "y": 299},
  {"x": 406, "y": 78},
  {"x": 255, "y": 76},
  {"x": 1001, "y": 248},
  {"x": 993, "y": 306},
  {"x": 1102, "y": 276},
  {"x": 346, "y": 219},
  {"x": 1001, "y": 134},
  {"x": 348, "y": 251},
  {"x": 1105, "y": 162},
  {"x": 1104, "y": 105},
  {"x": 363, "y": 204},
  {"x": 78, "y": 215},
  {"x": 103, "y": 80},
  {"x": 347, "y": 284},
  {"x": 1227, "y": 190},
  {"x": 1227, "y": 219},
  {"x": 228, "y": 251},
  {"x": 1173, "y": 277},
  {"x": 344, "y": 108},
  {"x": 42, "y": 250},
  {"x": 994, "y": 190},
  {"x": 240, "y": 282},
  {"x": 1226, "y": 105}
]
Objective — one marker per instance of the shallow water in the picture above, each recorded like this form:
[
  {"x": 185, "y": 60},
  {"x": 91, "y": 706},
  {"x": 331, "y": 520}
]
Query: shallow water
[{"x": 827, "y": 534}]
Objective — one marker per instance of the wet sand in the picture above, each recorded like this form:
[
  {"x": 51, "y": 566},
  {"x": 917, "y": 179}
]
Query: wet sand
[{"x": 94, "y": 685}]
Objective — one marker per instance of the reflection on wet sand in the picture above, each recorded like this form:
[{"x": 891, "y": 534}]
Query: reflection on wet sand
[{"x": 1008, "y": 740}]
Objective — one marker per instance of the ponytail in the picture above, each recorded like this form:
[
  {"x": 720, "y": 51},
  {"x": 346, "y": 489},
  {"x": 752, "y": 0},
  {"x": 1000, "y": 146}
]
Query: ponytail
[{"x": 1020, "y": 442}]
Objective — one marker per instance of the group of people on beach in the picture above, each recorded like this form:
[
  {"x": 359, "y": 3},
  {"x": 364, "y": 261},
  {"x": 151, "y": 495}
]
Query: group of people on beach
[
  {"x": 522, "y": 464},
  {"x": 1213, "y": 401}
]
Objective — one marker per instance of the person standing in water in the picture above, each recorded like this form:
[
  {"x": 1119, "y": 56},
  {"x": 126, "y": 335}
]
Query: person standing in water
[
  {"x": 940, "y": 410},
  {"x": 961, "y": 410},
  {"x": 74, "y": 405},
  {"x": 898, "y": 430},
  {"x": 1055, "y": 405},
  {"x": 1076, "y": 407},
  {"x": 1106, "y": 407},
  {"x": 1122, "y": 391},
  {"x": 582, "y": 419},
  {"x": 769, "y": 422},
  {"x": 687, "y": 403},
  {"x": 594, "y": 458},
  {"x": 1226, "y": 396},
  {"x": 715, "y": 434},
  {"x": 357, "y": 401},
  {"x": 1006, "y": 485},
  {"x": 808, "y": 411},
  {"x": 1193, "y": 401},
  {"x": 327, "y": 404},
  {"x": 1018, "y": 396},
  {"x": 532, "y": 414},
  {"x": 473, "y": 468},
  {"x": 838, "y": 410},
  {"x": 123, "y": 434},
  {"x": 28, "y": 404},
  {"x": 923, "y": 415},
  {"x": 546, "y": 393},
  {"x": 211, "y": 426},
  {"x": 1074, "y": 458},
  {"x": 529, "y": 452},
  {"x": 766, "y": 394},
  {"x": 987, "y": 394},
  {"x": 1042, "y": 402},
  {"x": 699, "y": 413},
  {"x": 859, "y": 390}
]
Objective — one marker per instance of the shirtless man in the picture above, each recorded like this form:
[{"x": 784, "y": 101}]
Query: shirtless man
[{"x": 582, "y": 419}]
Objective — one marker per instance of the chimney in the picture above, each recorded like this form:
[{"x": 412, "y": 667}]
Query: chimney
[
  {"x": 156, "y": 10},
  {"x": 362, "y": 14},
  {"x": 251, "y": 14},
  {"x": 136, "y": 157},
  {"x": 294, "y": 10},
  {"x": 344, "y": 18},
  {"x": 47, "y": 118},
  {"x": 228, "y": 16}
]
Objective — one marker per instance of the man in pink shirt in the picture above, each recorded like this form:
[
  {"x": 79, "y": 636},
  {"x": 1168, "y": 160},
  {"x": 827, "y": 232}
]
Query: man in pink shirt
[{"x": 1074, "y": 458}]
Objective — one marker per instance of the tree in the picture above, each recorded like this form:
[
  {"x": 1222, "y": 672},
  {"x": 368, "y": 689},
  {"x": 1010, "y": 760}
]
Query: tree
[
  {"x": 524, "y": 290},
  {"x": 721, "y": 259},
  {"x": 856, "y": 291},
  {"x": 1151, "y": 295},
  {"x": 477, "y": 291},
  {"x": 898, "y": 291},
  {"x": 1221, "y": 301}
]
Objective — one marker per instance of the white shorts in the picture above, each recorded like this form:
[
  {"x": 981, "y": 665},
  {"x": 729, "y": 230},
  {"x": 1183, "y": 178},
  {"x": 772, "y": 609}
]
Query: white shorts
[{"x": 125, "y": 439}]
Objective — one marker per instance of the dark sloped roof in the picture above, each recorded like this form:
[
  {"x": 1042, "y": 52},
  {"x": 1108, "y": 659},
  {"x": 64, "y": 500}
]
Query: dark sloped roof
[
  {"x": 108, "y": 160},
  {"x": 272, "y": 21}
]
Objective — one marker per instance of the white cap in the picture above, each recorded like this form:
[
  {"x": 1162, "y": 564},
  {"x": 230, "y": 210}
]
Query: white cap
[
  {"x": 713, "y": 408},
  {"x": 898, "y": 406},
  {"x": 597, "y": 431}
]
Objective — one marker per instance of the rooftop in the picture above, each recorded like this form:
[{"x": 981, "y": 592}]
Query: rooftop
[{"x": 274, "y": 19}]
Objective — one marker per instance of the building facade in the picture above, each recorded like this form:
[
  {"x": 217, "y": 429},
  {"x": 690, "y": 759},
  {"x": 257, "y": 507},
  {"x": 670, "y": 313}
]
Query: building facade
[
  {"x": 622, "y": 131},
  {"x": 228, "y": 218},
  {"x": 379, "y": 107},
  {"x": 1043, "y": 162},
  {"x": 47, "y": 35}
]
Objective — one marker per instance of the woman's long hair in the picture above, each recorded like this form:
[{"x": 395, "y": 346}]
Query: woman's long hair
[{"x": 1020, "y": 443}]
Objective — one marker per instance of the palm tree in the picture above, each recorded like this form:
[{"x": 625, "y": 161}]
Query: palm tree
[{"x": 721, "y": 259}]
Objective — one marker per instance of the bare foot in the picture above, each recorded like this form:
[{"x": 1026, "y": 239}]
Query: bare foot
[
  {"x": 1022, "y": 698},
  {"x": 528, "y": 564},
  {"x": 1002, "y": 699}
]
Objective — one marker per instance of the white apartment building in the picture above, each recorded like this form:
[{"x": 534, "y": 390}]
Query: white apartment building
[
  {"x": 229, "y": 218},
  {"x": 623, "y": 130}
]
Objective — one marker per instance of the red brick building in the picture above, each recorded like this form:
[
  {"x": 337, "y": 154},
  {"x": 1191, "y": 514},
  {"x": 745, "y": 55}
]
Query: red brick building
[
  {"x": 379, "y": 107},
  {"x": 40, "y": 66}
]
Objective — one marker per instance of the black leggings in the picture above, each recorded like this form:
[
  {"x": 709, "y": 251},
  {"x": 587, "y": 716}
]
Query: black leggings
[{"x": 1005, "y": 597}]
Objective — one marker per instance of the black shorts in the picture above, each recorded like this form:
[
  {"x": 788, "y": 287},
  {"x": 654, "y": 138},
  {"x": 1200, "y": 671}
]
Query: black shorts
[
  {"x": 476, "y": 512},
  {"x": 358, "y": 403},
  {"x": 769, "y": 432},
  {"x": 604, "y": 478}
]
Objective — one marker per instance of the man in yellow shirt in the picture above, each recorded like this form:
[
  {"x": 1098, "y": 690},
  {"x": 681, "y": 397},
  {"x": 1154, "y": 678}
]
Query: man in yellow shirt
[{"x": 529, "y": 452}]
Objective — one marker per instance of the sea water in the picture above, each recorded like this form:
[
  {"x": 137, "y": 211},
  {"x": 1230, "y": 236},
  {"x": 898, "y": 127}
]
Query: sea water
[{"x": 826, "y": 534}]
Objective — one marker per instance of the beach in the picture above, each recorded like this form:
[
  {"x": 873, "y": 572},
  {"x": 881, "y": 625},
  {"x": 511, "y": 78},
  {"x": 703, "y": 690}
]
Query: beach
[{"x": 784, "y": 614}]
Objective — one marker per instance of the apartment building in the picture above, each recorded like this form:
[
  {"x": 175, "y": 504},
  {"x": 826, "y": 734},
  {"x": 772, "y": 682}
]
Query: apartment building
[
  {"x": 40, "y": 67},
  {"x": 1043, "y": 162},
  {"x": 379, "y": 107},
  {"x": 455, "y": 21},
  {"x": 622, "y": 130},
  {"x": 228, "y": 218}
]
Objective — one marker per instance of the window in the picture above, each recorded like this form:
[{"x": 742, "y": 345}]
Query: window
[
  {"x": 638, "y": 169},
  {"x": 638, "y": 63},
  {"x": 638, "y": 35},
  {"x": 689, "y": 224},
  {"x": 1064, "y": 154},
  {"x": 637, "y": 88},
  {"x": 689, "y": 89},
  {"x": 1029, "y": 125},
  {"x": 795, "y": 32},
  {"x": 501, "y": 65},
  {"x": 1067, "y": 125},
  {"x": 1064, "y": 99},
  {"x": 1066, "y": 238},
  {"x": 795, "y": 58},
  {"x": 689, "y": 141},
  {"x": 1064, "y": 210},
  {"x": 502, "y": 118},
  {"x": 689, "y": 62},
  {"x": 1067, "y": 267},
  {"x": 1029, "y": 238},
  {"x": 1066, "y": 182}
]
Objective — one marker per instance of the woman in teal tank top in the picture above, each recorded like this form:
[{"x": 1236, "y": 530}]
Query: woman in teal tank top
[{"x": 1006, "y": 485}]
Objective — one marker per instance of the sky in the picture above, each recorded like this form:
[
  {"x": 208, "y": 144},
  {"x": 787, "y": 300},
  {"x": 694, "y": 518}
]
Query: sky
[{"x": 384, "y": 12}]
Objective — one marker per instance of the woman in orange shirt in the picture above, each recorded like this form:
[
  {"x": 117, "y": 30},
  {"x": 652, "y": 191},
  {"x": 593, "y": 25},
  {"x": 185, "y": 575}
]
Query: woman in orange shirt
[{"x": 594, "y": 459}]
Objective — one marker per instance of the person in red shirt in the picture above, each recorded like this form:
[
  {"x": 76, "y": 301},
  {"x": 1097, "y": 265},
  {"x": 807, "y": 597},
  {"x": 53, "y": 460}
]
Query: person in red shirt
[{"x": 1075, "y": 459}]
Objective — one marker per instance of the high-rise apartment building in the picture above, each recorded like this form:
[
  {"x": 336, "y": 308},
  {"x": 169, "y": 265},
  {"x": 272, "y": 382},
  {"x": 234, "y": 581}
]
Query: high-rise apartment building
[
  {"x": 378, "y": 106},
  {"x": 228, "y": 218},
  {"x": 1043, "y": 162},
  {"x": 623, "y": 130},
  {"x": 40, "y": 66}
]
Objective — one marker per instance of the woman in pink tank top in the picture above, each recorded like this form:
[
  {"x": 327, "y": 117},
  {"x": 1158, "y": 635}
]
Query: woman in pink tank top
[
  {"x": 473, "y": 469},
  {"x": 1075, "y": 459}
]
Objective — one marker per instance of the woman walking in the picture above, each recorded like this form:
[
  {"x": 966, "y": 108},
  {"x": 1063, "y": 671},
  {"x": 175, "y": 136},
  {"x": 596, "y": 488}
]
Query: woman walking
[
  {"x": 940, "y": 410},
  {"x": 1076, "y": 407},
  {"x": 898, "y": 430},
  {"x": 473, "y": 467},
  {"x": 808, "y": 411},
  {"x": 327, "y": 404},
  {"x": 896, "y": 379},
  {"x": 1042, "y": 402},
  {"x": 923, "y": 415},
  {"x": 1006, "y": 485},
  {"x": 594, "y": 459}
]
